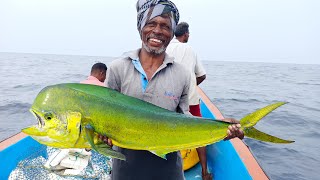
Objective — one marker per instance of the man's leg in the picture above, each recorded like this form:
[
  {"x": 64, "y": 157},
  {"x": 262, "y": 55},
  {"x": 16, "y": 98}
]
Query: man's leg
[{"x": 202, "y": 152}]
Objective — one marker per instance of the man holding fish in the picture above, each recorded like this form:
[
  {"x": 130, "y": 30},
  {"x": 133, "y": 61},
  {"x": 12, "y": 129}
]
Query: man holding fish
[
  {"x": 153, "y": 76},
  {"x": 139, "y": 109}
]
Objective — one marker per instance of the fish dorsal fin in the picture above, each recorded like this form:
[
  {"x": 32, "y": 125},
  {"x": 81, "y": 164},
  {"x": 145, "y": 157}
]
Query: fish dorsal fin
[{"x": 111, "y": 95}]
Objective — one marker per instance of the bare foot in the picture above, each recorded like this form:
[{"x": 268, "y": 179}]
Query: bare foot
[{"x": 207, "y": 176}]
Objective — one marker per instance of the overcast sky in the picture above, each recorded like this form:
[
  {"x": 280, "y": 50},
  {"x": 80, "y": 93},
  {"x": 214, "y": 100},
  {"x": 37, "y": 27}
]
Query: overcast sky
[{"x": 220, "y": 30}]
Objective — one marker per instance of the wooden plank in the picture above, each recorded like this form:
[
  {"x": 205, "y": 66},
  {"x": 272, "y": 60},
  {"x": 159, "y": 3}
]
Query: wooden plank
[{"x": 11, "y": 140}]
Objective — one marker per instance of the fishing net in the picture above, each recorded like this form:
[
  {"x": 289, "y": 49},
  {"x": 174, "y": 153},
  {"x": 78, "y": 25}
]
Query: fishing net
[{"x": 99, "y": 167}]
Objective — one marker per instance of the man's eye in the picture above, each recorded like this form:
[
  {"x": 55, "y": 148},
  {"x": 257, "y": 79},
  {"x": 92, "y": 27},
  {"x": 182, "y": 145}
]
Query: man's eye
[
  {"x": 150, "y": 24},
  {"x": 166, "y": 27}
]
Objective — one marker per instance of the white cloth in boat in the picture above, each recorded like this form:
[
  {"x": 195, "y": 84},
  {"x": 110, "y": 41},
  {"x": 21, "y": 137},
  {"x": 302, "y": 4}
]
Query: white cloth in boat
[{"x": 68, "y": 161}]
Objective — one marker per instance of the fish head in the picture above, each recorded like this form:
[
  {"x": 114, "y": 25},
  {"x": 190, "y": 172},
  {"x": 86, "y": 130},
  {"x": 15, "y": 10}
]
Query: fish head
[
  {"x": 56, "y": 130},
  {"x": 58, "y": 124}
]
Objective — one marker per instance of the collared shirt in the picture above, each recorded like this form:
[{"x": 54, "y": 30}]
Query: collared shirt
[
  {"x": 184, "y": 54},
  {"x": 144, "y": 79},
  {"x": 167, "y": 88},
  {"x": 93, "y": 80}
]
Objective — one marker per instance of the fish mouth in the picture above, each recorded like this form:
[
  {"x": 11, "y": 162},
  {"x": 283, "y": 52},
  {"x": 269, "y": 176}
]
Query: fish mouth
[
  {"x": 40, "y": 120},
  {"x": 36, "y": 130}
]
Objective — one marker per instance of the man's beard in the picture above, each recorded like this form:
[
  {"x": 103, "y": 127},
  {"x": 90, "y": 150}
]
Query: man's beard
[{"x": 153, "y": 51}]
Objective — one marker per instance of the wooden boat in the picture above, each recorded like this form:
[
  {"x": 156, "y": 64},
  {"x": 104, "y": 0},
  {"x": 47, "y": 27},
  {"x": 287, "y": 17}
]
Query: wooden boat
[{"x": 226, "y": 159}]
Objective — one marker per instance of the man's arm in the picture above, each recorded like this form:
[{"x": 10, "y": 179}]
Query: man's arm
[{"x": 199, "y": 71}]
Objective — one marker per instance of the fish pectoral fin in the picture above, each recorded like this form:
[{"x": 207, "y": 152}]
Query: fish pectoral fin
[
  {"x": 108, "y": 151},
  {"x": 102, "y": 148},
  {"x": 160, "y": 153},
  {"x": 90, "y": 136},
  {"x": 256, "y": 134}
]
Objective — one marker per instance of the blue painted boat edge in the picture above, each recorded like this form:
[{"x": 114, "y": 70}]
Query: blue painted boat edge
[
  {"x": 244, "y": 152},
  {"x": 223, "y": 160},
  {"x": 13, "y": 154}
]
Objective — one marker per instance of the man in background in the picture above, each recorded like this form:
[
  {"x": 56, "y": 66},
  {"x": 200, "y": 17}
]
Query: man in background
[
  {"x": 97, "y": 75},
  {"x": 184, "y": 54}
]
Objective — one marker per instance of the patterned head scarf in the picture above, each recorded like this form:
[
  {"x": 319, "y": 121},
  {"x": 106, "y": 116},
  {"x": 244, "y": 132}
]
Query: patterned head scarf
[{"x": 148, "y": 9}]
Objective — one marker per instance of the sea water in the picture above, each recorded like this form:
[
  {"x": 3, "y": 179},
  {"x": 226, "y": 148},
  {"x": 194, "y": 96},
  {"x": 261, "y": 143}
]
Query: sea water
[{"x": 236, "y": 88}]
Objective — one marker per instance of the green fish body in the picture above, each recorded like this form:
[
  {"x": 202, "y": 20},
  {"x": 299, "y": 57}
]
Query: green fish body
[{"x": 70, "y": 116}]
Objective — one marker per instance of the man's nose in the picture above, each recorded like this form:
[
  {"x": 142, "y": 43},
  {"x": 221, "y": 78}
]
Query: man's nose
[{"x": 157, "y": 29}]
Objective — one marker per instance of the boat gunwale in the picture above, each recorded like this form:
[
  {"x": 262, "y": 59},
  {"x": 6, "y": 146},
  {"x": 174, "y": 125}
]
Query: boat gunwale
[
  {"x": 12, "y": 140},
  {"x": 244, "y": 152}
]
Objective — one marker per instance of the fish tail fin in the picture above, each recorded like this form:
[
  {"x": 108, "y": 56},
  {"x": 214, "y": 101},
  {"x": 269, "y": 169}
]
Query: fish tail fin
[
  {"x": 256, "y": 134},
  {"x": 252, "y": 119}
]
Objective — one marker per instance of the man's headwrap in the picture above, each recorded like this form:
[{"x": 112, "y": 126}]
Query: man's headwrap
[{"x": 148, "y": 9}]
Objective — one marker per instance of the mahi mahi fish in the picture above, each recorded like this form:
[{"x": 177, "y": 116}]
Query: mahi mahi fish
[{"x": 71, "y": 115}]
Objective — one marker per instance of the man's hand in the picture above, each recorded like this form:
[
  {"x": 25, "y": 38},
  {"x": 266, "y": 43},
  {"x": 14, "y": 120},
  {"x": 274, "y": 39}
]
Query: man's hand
[
  {"x": 105, "y": 139},
  {"x": 233, "y": 129}
]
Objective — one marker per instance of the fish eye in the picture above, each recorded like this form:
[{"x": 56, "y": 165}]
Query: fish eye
[{"x": 48, "y": 116}]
